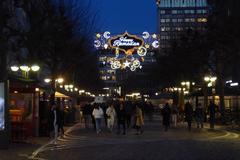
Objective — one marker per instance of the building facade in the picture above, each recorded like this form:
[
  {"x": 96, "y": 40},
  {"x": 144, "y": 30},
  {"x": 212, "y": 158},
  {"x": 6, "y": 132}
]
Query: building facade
[{"x": 175, "y": 17}]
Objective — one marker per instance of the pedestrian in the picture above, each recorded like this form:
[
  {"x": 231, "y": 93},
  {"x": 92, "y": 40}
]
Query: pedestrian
[
  {"x": 188, "y": 115},
  {"x": 139, "y": 120},
  {"x": 121, "y": 115},
  {"x": 61, "y": 119},
  {"x": 199, "y": 114},
  {"x": 174, "y": 114},
  {"x": 55, "y": 122},
  {"x": 212, "y": 111},
  {"x": 111, "y": 113},
  {"x": 151, "y": 110},
  {"x": 129, "y": 110},
  {"x": 166, "y": 113},
  {"x": 98, "y": 115},
  {"x": 86, "y": 110}
]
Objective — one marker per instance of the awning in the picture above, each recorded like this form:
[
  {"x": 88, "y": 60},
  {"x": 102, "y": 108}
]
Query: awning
[{"x": 60, "y": 95}]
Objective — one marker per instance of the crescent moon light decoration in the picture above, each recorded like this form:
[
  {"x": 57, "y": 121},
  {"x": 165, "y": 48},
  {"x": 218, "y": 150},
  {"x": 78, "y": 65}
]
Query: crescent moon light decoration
[
  {"x": 146, "y": 35},
  {"x": 106, "y": 35}
]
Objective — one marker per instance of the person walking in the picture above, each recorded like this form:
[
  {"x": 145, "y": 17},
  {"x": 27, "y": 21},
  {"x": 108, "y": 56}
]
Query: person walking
[
  {"x": 189, "y": 115},
  {"x": 55, "y": 122},
  {"x": 166, "y": 112},
  {"x": 111, "y": 113},
  {"x": 212, "y": 111},
  {"x": 139, "y": 120},
  {"x": 98, "y": 115},
  {"x": 199, "y": 112},
  {"x": 61, "y": 119},
  {"x": 86, "y": 110},
  {"x": 174, "y": 114},
  {"x": 128, "y": 109},
  {"x": 121, "y": 115}
]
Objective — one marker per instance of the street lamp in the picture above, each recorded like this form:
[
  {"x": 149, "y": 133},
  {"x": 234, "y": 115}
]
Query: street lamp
[
  {"x": 35, "y": 68},
  {"x": 211, "y": 83},
  {"x": 47, "y": 80},
  {"x": 210, "y": 80},
  {"x": 25, "y": 69},
  {"x": 14, "y": 68},
  {"x": 59, "y": 80}
]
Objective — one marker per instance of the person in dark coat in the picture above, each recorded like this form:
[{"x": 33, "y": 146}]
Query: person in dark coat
[
  {"x": 212, "y": 111},
  {"x": 121, "y": 116},
  {"x": 61, "y": 119},
  {"x": 55, "y": 121},
  {"x": 189, "y": 115},
  {"x": 199, "y": 115},
  {"x": 166, "y": 112},
  {"x": 129, "y": 110}
]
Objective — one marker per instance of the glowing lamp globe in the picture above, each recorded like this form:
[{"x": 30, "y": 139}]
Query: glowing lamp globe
[
  {"x": 35, "y": 68},
  {"x": 14, "y": 68},
  {"x": 25, "y": 68}
]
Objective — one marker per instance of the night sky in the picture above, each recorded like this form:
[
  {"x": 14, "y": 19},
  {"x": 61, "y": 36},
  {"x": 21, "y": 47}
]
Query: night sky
[{"x": 135, "y": 16}]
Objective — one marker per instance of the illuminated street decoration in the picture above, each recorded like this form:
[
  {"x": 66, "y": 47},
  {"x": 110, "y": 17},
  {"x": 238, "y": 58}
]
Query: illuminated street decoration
[
  {"x": 97, "y": 43},
  {"x": 106, "y": 35},
  {"x": 142, "y": 51},
  {"x": 129, "y": 50},
  {"x": 146, "y": 35},
  {"x": 155, "y": 44},
  {"x": 125, "y": 42}
]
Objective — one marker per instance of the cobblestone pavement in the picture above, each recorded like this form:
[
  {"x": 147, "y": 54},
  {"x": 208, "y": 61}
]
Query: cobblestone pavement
[{"x": 154, "y": 144}]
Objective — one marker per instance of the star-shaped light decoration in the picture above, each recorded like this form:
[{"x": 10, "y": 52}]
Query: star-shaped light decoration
[{"x": 126, "y": 64}]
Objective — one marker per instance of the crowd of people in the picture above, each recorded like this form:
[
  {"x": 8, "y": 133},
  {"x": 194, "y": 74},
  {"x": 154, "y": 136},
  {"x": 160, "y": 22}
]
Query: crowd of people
[
  {"x": 199, "y": 115},
  {"x": 119, "y": 116}
]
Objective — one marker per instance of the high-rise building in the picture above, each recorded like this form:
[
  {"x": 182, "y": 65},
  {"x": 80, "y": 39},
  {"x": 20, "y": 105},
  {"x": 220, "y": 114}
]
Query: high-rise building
[{"x": 177, "y": 16}]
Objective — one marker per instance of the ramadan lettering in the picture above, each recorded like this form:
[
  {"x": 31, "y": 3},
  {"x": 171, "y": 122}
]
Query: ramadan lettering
[{"x": 123, "y": 41}]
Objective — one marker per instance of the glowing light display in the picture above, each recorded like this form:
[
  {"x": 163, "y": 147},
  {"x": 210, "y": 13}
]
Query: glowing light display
[
  {"x": 2, "y": 107},
  {"x": 129, "y": 50}
]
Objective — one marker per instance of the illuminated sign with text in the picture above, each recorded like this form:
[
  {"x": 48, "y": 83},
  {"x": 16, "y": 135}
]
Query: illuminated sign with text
[{"x": 126, "y": 42}]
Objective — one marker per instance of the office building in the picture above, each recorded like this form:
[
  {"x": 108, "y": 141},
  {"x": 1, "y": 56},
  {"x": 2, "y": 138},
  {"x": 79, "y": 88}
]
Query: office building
[{"x": 175, "y": 17}]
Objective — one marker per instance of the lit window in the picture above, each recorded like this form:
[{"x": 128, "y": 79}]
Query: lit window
[
  {"x": 167, "y": 20},
  {"x": 174, "y": 11},
  {"x": 202, "y": 20},
  {"x": 162, "y": 11}
]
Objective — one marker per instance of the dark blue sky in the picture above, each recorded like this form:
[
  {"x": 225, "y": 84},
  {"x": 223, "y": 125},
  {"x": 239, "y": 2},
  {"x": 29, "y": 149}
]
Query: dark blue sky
[{"x": 135, "y": 16}]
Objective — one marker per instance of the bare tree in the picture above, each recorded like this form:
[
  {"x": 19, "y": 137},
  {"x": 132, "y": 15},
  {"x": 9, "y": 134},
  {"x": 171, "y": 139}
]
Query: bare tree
[{"x": 59, "y": 37}]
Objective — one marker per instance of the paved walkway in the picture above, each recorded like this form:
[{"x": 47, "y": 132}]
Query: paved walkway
[{"x": 80, "y": 144}]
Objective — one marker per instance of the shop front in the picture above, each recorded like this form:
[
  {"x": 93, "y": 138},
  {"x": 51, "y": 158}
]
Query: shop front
[{"x": 23, "y": 110}]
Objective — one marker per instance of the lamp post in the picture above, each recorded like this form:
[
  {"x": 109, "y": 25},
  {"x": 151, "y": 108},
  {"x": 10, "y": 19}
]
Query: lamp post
[
  {"x": 53, "y": 87},
  {"x": 25, "y": 69},
  {"x": 211, "y": 83}
]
